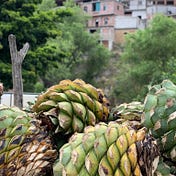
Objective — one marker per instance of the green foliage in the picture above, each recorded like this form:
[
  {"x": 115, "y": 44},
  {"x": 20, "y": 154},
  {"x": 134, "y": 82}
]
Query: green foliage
[
  {"x": 46, "y": 5},
  {"x": 29, "y": 24},
  {"x": 86, "y": 54},
  {"x": 58, "y": 38},
  {"x": 148, "y": 58},
  {"x": 96, "y": 63},
  {"x": 38, "y": 87},
  {"x": 56, "y": 74},
  {"x": 5, "y": 74},
  {"x": 170, "y": 67},
  {"x": 29, "y": 81}
]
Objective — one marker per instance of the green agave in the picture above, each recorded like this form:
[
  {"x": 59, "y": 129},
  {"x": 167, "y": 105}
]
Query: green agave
[
  {"x": 129, "y": 113},
  {"x": 106, "y": 150},
  {"x": 25, "y": 147},
  {"x": 70, "y": 106},
  {"x": 160, "y": 118}
]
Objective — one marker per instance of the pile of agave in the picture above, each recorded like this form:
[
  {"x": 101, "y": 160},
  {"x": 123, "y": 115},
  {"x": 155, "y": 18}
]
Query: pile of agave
[{"x": 71, "y": 130}]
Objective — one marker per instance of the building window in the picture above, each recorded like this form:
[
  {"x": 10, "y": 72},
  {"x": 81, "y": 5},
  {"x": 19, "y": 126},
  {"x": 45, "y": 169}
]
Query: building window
[
  {"x": 118, "y": 7},
  {"x": 106, "y": 20},
  {"x": 96, "y": 6},
  {"x": 104, "y": 7},
  {"x": 85, "y": 8},
  {"x": 92, "y": 30},
  {"x": 160, "y": 2},
  {"x": 170, "y": 2},
  {"x": 169, "y": 12},
  {"x": 140, "y": 2},
  {"x": 96, "y": 23}
]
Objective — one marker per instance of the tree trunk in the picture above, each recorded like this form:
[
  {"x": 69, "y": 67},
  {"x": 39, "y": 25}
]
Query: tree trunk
[{"x": 17, "y": 58}]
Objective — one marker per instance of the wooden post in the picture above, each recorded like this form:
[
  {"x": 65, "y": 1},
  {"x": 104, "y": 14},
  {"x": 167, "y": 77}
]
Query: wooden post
[
  {"x": 17, "y": 58},
  {"x": 1, "y": 90}
]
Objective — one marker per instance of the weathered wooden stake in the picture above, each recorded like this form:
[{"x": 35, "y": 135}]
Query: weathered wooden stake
[
  {"x": 1, "y": 90},
  {"x": 17, "y": 58}
]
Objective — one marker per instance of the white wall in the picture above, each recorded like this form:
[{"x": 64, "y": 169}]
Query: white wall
[
  {"x": 126, "y": 22},
  {"x": 137, "y": 4},
  {"x": 161, "y": 9},
  {"x": 8, "y": 99},
  {"x": 141, "y": 13}
]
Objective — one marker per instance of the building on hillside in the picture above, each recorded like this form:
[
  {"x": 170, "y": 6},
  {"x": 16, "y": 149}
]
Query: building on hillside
[
  {"x": 134, "y": 18},
  {"x": 167, "y": 7},
  {"x": 125, "y": 25},
  {"x": 163, "y": 2},
  {"x": 139, "y": 12},
  {"x": 146, "y": 9},
  {"x": 103, "y": 13},
  {"x": 113, "y": 19}
]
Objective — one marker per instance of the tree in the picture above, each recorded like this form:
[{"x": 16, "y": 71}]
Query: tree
[
  {"x": 47, "y": 5},
  {"x": 14, "y": 19},
  {"x": 29, "y": 23},
  {"x": 58, "y": 38},
  {"x": 87, "y": 57},
  {"x": 73, "y": 51},
  {"x": 147, "y": 59}
]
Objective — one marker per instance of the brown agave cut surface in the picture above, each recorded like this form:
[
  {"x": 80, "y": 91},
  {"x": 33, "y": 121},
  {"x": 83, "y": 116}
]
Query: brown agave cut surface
[{"x": 25, "y": 147}]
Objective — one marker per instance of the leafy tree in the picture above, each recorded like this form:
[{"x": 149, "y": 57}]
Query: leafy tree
[
  {"x": 58, "y": 38},
  {"x": 14, "y": 18},
  {"x": 47, "y": 5},
  {"x": 39, "y": 87},
  {"x": 75, "y": 53},
  {"x": 149, "y": 56},
  {"x": 29, "y": 23}
]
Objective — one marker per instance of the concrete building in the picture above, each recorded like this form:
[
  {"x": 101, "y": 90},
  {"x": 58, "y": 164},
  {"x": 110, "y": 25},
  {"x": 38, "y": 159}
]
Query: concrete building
[
  {"x": 163, "y": 2},
  {"x": 146, "y": 9},
  {"x": 103, "y": 13},
  {"x": 113, "y": 19},
  {"x": 134, "y": 18},
  {"x": 125, "y": 25},
  {"x": 138, "y": 13}
]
